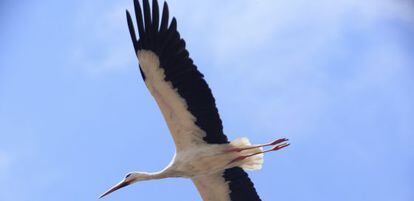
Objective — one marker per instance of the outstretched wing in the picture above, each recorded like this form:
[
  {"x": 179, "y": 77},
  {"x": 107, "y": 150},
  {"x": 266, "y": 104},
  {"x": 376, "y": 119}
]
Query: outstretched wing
[
  {"x": 231, "y": 185},
  {"x": 183, "y": 96},
  {"x": 172, "y": 78}
]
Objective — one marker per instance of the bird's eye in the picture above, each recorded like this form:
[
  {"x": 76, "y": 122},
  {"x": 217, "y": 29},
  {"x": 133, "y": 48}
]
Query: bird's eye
[{"x": 128, "y": 175}]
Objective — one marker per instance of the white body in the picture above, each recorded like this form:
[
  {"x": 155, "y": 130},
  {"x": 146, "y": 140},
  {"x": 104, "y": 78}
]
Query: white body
[
  {"x": 210, "y": 166},
  {"x": 194, "y": 158},
  {"x": 210, "y": 159},
  {"x": 204, "y": 163}
]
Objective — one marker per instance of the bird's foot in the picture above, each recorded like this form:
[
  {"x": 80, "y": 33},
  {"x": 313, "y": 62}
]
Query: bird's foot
[
  {"x": 274, "y": 142},
  {"x": 280, "y": 144}
]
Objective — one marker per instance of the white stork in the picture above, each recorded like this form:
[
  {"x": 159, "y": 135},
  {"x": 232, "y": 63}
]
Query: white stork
[{"x": 203, "y": 152}]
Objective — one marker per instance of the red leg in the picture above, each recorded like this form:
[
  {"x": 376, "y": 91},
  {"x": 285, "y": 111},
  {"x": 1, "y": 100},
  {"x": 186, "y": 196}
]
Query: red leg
[
  {"x": 280, "y": 146},
  {"x": 275, "y": 142}
]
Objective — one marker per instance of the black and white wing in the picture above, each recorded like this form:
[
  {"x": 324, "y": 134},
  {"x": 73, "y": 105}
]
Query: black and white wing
[
  {"x": 178, "y": 87},
  {"x": 182, "y": 94},
  {"x": 231, "y": 185}
]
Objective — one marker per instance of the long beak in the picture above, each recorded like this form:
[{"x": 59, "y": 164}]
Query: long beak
[{"x": 114, "y": 188}]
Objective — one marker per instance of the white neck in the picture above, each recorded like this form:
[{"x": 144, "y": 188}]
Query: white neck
[{"x": 143, "y": 176}]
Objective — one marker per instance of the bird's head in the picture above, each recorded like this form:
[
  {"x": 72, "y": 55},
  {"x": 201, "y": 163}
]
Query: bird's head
[{"x": 130, "y": 178}]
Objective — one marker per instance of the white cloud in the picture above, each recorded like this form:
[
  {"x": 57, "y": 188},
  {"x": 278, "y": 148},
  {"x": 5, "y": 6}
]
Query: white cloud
[
  {"x": 232, "y": 29},
  {"x": 284, "y": 53},
  {"x": 102, "y": 43},
  {"x": 280, "y": 50}
]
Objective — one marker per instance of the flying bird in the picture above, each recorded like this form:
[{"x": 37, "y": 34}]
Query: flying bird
[{"x": 203, "y": 153}]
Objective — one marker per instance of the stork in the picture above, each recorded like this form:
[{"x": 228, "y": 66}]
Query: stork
[{"x": 203, "y": 153}]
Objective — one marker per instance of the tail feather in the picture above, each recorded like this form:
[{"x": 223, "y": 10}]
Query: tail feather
[{"x": 250, "y": 163}]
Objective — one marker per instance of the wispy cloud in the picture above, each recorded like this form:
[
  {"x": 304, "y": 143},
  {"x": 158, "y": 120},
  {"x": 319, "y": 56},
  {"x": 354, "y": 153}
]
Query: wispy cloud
[
  {"x": 233, "y": 30},
  {"x": 295, "y": 46},
  {"x": 334, "y": 77},
  {"x": 299, "y": 55},
  {"x": 248, "y": 26},
  {"x": 102, "y": 44}
]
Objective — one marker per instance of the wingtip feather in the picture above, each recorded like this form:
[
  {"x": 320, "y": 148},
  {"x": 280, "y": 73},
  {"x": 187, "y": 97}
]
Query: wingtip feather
[
  {"x": 155, "y": 15},
  {"x": 138, "y": 17},
  {"x": 164, "y": 18},
  {"x": 147, "y": 14}
]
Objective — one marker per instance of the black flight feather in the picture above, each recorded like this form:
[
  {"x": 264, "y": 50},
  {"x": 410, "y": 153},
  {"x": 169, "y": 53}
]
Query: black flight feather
[{"x": 164, "y": 40}]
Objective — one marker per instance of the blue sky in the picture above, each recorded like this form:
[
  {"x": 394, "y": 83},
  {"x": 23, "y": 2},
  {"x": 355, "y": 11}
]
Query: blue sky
[{"x": 336, "y": 78}]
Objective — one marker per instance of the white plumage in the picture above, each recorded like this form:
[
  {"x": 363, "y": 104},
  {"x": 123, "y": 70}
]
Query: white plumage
[
  {"x": 203, "y": 152},
  {"x": 180, "y": 121}
]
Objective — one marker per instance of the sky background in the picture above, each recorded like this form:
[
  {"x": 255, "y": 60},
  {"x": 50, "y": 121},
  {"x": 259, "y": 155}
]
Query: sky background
[{"x": 335, "y": 77}]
